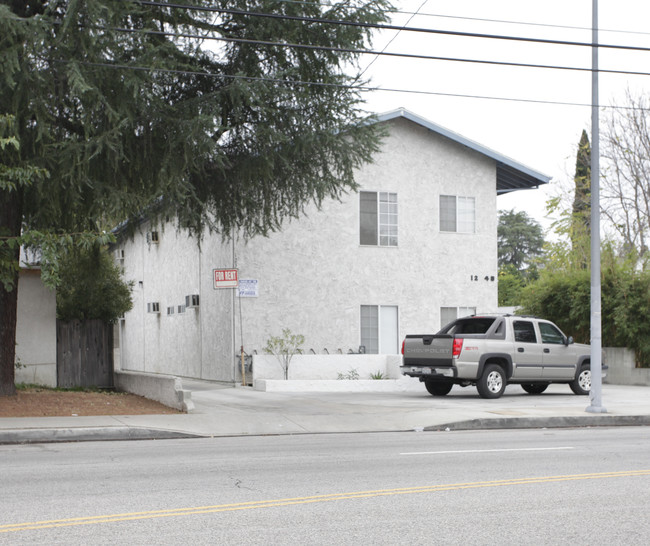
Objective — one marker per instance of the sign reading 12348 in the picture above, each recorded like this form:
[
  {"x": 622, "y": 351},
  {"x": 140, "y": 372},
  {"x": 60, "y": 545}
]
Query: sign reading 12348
[{"x": 225, "y": 278}]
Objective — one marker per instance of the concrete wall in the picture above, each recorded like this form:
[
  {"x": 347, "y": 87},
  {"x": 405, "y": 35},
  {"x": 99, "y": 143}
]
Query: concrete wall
[
  {"x": 324, "y": 367},
  {"x": 321, "y": 373},
  {"x": 164, "y": 389},
  {"x": 622, "y": 368},
  {"x": 36, "y": 330},
  {"x": 314, "y": 276}
]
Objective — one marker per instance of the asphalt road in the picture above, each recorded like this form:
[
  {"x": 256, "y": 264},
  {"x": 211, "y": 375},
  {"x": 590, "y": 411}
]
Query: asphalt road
[{"x": 579, "y": 486}]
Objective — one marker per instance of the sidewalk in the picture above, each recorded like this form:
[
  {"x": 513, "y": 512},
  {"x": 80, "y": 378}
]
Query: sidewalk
[{"x": 242, "y": 411}]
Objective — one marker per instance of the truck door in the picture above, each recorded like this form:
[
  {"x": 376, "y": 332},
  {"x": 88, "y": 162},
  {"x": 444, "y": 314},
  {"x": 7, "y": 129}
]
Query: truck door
[
  {"x": 559, "y": 359},
  {"x": 527, "y": 358}
]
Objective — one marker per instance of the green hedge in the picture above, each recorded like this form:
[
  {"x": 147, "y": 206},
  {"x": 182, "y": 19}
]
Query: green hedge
[{"x": 565, "y": 298}]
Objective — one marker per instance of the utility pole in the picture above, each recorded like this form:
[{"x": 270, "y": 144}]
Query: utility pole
[{"x": 595, "y": 395}]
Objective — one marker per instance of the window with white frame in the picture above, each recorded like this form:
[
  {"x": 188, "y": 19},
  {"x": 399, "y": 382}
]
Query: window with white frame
[
  {"x": 457, "y": 214},
  {"x": 378, "y": 214},
  {"x": 449, "y": 314},
  {"x": 379, "y": 329}
]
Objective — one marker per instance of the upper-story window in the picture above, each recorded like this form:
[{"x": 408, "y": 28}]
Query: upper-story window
[
  {"x": 378, "y": 212},
  {"x": 457, "y": 214}
]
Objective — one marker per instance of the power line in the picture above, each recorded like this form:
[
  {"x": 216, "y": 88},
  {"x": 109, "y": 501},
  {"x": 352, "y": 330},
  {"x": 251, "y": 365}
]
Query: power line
[
  {"x": 341, "y": 86},
  {"x": 479, "y": 19},
  {"x": 355, "y": 87},
  {"x": 366, "y": 51},
  {"x": 391, "y": 40},
  {"x": 388, "y": 27}
]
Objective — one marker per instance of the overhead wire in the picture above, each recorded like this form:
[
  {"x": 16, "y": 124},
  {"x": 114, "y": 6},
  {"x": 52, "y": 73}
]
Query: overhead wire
[
  {"x": 481, "y": 19},
  {"x": 359, "y": 87},
  {"x": 381, "y": 26},
  {"x": 391, "y": 40},
  {"x": 367, "y": 51}
]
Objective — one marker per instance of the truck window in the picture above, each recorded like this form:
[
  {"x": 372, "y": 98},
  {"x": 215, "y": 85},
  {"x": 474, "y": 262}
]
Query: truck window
[
  {"x": 524, "y": 331},
  {"x": 470, "y": 326},
  {"x": 550, "y": 334},
  {"x": 501, "y": 329}
]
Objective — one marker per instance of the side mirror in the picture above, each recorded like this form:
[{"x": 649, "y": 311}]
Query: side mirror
[{"x": 569, "y": 340}]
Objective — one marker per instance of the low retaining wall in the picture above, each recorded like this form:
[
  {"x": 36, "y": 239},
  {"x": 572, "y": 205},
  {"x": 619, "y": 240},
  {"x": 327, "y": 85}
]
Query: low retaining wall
[
  {"x": 37, "y": 374},
  {"x": 167, "y": 390},
  {"x": 406, "y": 384},
  {"x": 324, "y": 367},
  {"x": 622, "y": 368}
]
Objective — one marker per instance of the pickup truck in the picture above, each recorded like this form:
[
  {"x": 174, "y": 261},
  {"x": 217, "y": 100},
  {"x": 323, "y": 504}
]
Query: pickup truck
[{"x": 492, "y": 351}]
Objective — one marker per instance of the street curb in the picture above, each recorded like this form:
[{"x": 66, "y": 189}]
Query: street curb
[
  {"x": 124, "y": 433},
  {"x": 600, "y": 420},
  {"x": 88, "y": 434}
]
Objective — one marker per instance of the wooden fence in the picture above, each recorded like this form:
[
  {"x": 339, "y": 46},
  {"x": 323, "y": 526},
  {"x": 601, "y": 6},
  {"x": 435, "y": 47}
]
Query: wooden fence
[{"x": 84, "y": 354}]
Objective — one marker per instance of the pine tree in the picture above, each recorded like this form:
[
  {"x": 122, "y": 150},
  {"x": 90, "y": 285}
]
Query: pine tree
[{"x": 226, "y": 114}]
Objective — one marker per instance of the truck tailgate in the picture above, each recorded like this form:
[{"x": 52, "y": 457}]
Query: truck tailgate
[{"x": 428, "y": 350}]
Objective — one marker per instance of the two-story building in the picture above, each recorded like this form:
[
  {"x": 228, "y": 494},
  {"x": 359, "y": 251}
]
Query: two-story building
[{"x": 413, "y": 249}]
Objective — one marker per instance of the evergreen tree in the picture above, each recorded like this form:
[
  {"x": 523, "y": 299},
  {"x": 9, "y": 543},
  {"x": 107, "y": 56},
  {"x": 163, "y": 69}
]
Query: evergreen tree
[
  {"x": 580, "y": 230},
  {"x": 519, "y": 239},
  {"x": 226, "y": 114},
  {"x": 91, "y": 286}
]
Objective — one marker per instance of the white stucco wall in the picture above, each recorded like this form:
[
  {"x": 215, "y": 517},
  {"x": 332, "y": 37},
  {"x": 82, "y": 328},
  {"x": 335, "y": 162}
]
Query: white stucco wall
[
  {"x": 314, "y": 276},
  {"x": 327, "y": 367},
  {"x": 35, "y": 331},
  {"x": 196, "y": 343}
]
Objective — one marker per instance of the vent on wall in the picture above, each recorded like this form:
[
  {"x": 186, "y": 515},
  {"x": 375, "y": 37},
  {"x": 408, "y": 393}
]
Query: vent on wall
[
  {"x": 153, "y": 307},
  {"x": 192, "y": 301}
]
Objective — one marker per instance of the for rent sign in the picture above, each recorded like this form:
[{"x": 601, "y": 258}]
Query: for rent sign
[{"x": 225, "y": 278}]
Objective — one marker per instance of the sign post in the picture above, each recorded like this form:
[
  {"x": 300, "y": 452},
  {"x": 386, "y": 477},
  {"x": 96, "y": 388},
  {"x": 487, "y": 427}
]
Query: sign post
[{"x": 229, "y": 278}]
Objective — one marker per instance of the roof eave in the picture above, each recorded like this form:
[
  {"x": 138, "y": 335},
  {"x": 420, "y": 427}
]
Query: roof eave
[{"x": 511, "y": 175}]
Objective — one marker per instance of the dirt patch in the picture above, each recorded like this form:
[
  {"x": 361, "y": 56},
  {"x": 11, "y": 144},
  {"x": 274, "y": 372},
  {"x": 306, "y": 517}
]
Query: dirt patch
[{"x": 35, "y": 402}]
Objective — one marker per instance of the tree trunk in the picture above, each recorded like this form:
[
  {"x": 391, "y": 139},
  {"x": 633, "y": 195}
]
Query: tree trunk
[
  {"x": 10, "y": 223},
  {"x": 8, "y": 307}
]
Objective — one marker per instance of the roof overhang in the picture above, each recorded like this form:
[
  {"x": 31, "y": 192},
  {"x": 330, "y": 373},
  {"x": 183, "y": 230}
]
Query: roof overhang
[{"x": 511, "y": 175}]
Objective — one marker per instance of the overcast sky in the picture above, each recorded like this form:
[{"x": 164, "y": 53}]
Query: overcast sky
[{"x": 541, "y": 136}]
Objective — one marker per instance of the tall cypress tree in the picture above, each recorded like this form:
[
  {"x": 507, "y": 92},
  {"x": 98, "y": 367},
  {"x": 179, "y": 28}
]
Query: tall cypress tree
[
  {"x": 209, "y": 113},
  {"x": 581, "y": 213}
]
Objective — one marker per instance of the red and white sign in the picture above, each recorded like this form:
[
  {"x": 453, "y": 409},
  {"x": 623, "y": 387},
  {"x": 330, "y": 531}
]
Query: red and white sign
[{"x": 225, "y": 278}]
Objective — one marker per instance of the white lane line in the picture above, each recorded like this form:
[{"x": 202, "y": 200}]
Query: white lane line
[{"x": 488, "y": 450}]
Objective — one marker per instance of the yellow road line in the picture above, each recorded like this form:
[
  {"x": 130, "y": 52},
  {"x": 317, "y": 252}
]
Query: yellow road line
[{"x": 177, "y": 512}]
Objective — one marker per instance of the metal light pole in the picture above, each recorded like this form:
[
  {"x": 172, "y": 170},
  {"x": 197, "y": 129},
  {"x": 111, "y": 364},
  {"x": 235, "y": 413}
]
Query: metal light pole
[{"x": 595, "y": 394}]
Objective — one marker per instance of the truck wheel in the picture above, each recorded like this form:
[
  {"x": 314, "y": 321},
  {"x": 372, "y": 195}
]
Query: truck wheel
[
  {"x": 492, "y": 383},
  {"x": 436, "y": 387},
  {"x": 582, "y": 384},
  {"x": 532, "y": 388}
]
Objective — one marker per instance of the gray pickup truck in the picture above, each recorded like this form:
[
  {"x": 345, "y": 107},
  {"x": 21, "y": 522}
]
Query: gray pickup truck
[{"x": 492, "y": 351}]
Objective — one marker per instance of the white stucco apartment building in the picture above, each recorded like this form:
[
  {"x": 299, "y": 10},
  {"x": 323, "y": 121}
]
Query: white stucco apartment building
[{"x": 416, "y": 247}]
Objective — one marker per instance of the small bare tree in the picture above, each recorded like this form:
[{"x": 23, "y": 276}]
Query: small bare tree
[
  {"x": 625, "y": 193},
  {"x": 284, "y": 348}
]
